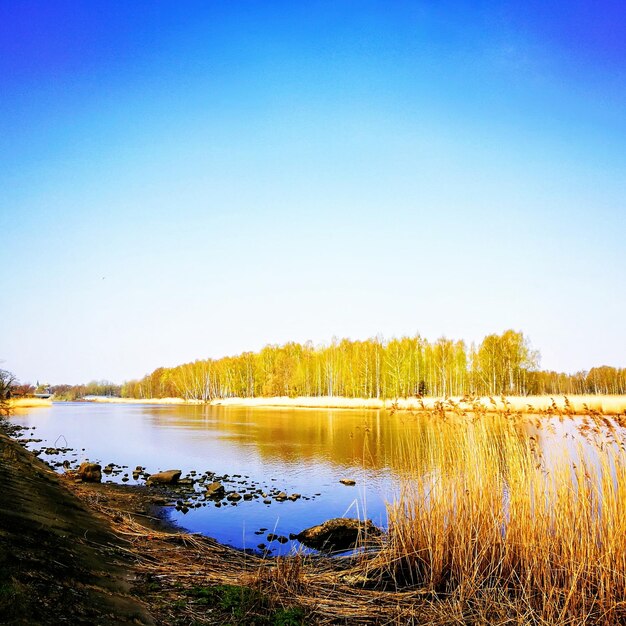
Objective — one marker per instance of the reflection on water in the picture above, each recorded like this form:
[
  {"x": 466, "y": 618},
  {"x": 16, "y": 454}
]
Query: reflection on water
[
  {"x": 297, "y": 451},
  {"x": 305, "y": 451}
]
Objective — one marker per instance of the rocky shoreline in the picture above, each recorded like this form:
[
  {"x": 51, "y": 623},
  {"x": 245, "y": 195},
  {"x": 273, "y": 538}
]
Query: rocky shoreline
[
  {"x": 172, "y": 490},
  {"x": 75, "y": 551}
]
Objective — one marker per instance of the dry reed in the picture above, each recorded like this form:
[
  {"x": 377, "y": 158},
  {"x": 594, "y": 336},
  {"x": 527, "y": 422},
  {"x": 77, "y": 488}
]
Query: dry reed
[
  {"x": 29, "y": 403},
  {"x": 492, "y": 519},
  {"x": 579, "y": 405}
]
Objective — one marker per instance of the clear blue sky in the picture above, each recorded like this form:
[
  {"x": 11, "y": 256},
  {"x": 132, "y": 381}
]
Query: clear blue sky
[{"x": 181, "y": 180}]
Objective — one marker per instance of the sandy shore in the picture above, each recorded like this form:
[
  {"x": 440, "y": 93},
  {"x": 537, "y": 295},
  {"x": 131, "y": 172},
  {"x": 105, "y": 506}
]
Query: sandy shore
[
  {"x": 581, "y": 404},
  {"x": 611, "y": 405}
]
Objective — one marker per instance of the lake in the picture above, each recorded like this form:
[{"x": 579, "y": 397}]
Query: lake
[
  {"x": 301, "y": 451},
  {"x": 298, "y": 451}
]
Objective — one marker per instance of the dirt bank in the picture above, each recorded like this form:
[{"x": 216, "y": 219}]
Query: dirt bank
[{"x": 59, "y": 563}]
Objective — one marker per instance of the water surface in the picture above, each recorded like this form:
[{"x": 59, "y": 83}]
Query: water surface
[
  {"x": 303, "y": 451},
  {"x": 300, "y": 451}
]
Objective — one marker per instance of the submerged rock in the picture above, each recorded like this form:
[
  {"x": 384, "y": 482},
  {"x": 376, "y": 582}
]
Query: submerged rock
[
  {"x": 338, "y": 534},
  {"x": 170, "y": 477},
  {"x": 89, "y": 472}
]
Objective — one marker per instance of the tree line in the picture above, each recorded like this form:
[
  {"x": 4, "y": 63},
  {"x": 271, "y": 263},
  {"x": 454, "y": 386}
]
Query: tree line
[
  {"x": 376, "y": 368},
  {"x": 67, "y": 392}
]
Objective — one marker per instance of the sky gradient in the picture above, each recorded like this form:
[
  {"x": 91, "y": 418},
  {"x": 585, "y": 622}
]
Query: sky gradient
[{"x": 189, "y": 180}]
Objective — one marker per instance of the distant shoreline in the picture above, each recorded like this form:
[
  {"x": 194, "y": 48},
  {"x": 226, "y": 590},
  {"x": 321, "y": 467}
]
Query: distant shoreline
[
  {"x": 29, "y": 403},
  {"x": 611, "y": 405}
]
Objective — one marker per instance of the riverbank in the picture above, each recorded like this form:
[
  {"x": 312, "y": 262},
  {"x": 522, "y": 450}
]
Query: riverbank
[
  {"x": 575, "y": 404},
  {"x": 608, "y": 405},
  {"x": 86, "y": 553},
  {"x": 92, "y": 553}
]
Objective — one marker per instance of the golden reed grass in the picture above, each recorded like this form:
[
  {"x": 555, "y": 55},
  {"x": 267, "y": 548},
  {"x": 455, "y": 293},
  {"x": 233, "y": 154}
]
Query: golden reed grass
[
  {"x": 579, "y": 405},
  {"x": 29, "y": 403},
  {"x": 490, "y": 521}
]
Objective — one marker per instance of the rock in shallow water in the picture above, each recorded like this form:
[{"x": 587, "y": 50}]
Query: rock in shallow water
[
  {"x": 170, "y": 477},
  {"x": 338, "y": 534}
]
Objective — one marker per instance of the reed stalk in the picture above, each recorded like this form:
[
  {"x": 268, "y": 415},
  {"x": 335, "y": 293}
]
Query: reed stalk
[{"x": 486, "y": 515}]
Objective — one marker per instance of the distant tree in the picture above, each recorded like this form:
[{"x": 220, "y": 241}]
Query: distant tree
[
  {"x": 22, "y": 390},
  {"x": 7, "y": 379},
  {"x": 502, "y": 363},
  {"x": 93, "y": 388}
]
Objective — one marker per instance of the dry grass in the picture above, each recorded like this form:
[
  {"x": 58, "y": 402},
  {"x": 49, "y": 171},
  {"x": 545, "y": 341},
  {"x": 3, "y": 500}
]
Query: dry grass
[
  {"x": 29, "y": 403},
  {"x": 579, "y": 405},
  {"x": 304, "y": 402},
  {"x": 576, "y": 404},
  {"x": 490, "y": 524}
]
